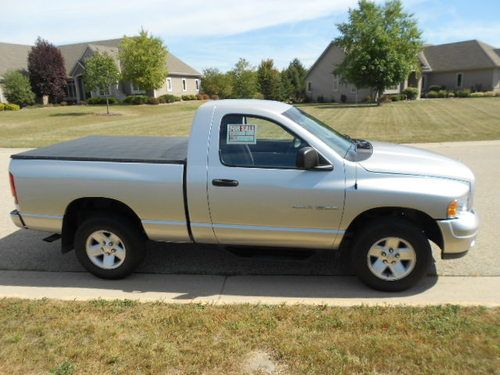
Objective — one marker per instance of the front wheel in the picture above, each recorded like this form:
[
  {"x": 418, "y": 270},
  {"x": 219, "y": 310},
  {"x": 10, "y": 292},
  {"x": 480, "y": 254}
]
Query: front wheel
[
  {"x": 109, "y": 247},
  {"x": 391, "y": 255}
]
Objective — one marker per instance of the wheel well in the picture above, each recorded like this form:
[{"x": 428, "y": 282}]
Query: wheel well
[
  {"x": 420, "y": 219},
  {"x": 80, "y": 209}
]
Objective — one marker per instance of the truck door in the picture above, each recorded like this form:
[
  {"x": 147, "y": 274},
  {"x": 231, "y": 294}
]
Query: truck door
[{"x": 257, "y": 195}]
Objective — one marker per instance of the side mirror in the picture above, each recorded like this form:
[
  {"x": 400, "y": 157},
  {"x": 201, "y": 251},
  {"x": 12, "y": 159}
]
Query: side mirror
[{"x": 307, "y": 158}]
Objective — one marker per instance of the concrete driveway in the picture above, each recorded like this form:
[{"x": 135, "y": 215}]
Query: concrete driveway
[{"x": 22, "y": 250}]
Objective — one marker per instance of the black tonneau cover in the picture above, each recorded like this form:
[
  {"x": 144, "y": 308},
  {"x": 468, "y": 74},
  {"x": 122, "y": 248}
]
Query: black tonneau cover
[{"x": 163, "y": 150}]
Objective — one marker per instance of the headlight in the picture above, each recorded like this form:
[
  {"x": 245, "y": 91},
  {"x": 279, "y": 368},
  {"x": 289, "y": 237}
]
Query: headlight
[{"x": 458, "y": 205}]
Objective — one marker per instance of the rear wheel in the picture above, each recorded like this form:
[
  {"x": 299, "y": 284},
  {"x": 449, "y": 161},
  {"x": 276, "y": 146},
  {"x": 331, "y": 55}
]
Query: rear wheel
[
  {"x": 391, "y": 255},
  {"x": 109, "y": 247}
]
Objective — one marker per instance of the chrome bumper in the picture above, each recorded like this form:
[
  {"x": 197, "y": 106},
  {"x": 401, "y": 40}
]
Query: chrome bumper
[
  {"x": 17, "y": 219},
  {"x": 459, "y": 234}
]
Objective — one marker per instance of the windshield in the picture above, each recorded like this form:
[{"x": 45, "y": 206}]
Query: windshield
[{"x": 340, "y": 143}]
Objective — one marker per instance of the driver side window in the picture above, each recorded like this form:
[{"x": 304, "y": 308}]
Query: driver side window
[{"x": 249, "y": 141}]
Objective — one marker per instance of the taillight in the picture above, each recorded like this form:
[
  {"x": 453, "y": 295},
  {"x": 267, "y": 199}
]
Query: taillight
[{"x": 13, "y": 186}]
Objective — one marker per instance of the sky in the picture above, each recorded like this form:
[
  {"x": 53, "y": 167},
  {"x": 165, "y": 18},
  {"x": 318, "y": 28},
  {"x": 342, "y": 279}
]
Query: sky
[{"x": 216, "y": 33}]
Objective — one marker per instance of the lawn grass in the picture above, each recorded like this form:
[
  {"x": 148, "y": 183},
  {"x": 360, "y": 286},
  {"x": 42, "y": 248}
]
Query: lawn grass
[
  {"x": 99, "y": 337},
  {"x": 402, "y": 122}
]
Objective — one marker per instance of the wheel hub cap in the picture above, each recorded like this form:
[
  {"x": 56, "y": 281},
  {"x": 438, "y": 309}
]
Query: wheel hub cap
[
  {"x": 105, "y": 249},
  {"x": 391, "y": 258}
]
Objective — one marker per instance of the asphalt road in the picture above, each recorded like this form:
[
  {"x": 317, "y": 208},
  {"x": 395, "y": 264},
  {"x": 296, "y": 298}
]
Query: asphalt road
[{"x": 22, "y": 250}]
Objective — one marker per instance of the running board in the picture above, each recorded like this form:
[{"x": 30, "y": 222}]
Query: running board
[{"x": 52, "y": 238}]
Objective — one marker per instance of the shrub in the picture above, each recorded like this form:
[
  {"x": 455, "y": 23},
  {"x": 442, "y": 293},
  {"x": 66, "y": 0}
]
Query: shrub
[
  {"x": 136, "y": 99},
  {"x": 343, "y": 98},
  {"x": 258, "y": 95},
  {"x": 17, "y": 88},
  {"x": 442, "y": 94},
  {"x": 11, "y": 107},
  {"x": 102, "y": 101},
  {"x": 368, "y": 99},
  {"x": 153, "y": 101},
  {"x": 2, "y": 107},
  {"x": 463, "y": 93},
  {"x": 451, "y": 94},
  {"x": 477, "y": 94},
  {"x": 489, "y": 94},
  {"x": 436, "y": 87},
  {"x": 410, "y": 93},
  {"x": 432, "y": 94},
  {"x": 168, "y": 98},
  {"x": 385, "y": 99},
  {"x": 320, "y": 99},
  {"x": 189, "y": 97},
  {"x": 396, "y": 97},
  {"x": 214, "y": 97}
]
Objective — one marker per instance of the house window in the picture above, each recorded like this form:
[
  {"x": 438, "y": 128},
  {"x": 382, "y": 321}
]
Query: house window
[
  {"x": 169, "y": 84},
  {"x": 197, "y": 83},
  {"x": 71, "y": 89},
  {"x": 136, "y": 89},
  {"x": 184, "y": 84},
  {"x": 309, "y": 86},
  {"x": 335, "y": 82},
  {"x": 460, "y": 79}
]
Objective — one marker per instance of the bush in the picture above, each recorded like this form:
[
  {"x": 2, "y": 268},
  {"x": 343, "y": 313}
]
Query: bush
[
  {"x": 343, "y": 98},
  {"x": 432, "y": 94},
  {"x": 320, "y": 99},
  {"x": 396, "y": 97},
  {"x": 136, "y": 99},
  {"x": 17, "y": 88},
  {"x": 189, "y": 97},
  {"x": 202, "y": 97},
  {"x": 451, "y": 94},
  {"x": 258, "y": 95},
  {"x": 463, "y": 93},
  {"x": 153, "y": 101},
  {"x": 442, "y": 94},
  {"x": 214, "y": 97},
  {"x": 168, "y": 98},
  {"x": 436, "y": 87},
  {"x": 477, "y": 94},
  {"x": 11, "y": 107},
  {"x": 411, "y": 93},
  {"x": 102, "y": 101},
  {"x": 2, "y": 107},
  {"x": 489, "y": 94}
]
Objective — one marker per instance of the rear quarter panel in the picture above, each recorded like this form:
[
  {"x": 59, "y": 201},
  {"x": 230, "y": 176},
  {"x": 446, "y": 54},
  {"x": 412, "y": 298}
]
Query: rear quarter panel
[{"x": 153, "y": 191}]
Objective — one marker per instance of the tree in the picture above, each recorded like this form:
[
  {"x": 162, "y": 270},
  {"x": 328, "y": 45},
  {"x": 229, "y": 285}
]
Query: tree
[
  {"x": 268, "y": 79},
  {"x": 293, "y": 81},
  {"x": 101, "y": 73},
  {"x": 17, "y": 88},
  {"x": 46, "y": 69},
  {"x": 244, "y": 80},
  {"x": 381, "y": 43},
  {"x": 144, "y": 61},
  {"x": 214, "y": 82}
]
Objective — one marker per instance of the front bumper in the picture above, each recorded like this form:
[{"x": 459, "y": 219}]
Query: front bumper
[
  {"x": 459, "y": 234},
  {"x": 17, "y": 219}
]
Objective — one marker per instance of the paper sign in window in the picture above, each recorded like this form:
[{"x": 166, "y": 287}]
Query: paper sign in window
[{"x": 241, "y": 134}]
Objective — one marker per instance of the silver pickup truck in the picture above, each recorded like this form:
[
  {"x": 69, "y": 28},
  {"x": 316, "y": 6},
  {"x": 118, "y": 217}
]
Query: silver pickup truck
[{"x": 252, "y": 173}]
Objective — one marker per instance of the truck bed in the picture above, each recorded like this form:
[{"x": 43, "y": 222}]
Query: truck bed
[{"x": 159, "y": 150}]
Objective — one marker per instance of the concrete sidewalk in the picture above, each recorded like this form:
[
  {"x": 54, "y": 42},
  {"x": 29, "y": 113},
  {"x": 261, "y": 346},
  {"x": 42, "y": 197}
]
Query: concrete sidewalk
[{"x": 213, "y": 289}]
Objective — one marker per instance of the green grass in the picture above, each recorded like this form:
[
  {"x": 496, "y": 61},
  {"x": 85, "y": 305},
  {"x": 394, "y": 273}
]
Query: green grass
[
  {"x": 403, "y": 122},
  {"x": 124, "y": 337}
]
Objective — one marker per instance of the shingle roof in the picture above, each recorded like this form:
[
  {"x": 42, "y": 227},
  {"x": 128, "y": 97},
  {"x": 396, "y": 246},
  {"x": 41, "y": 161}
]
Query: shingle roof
[
  {"x": 13, "y": 57},
  {"x": 73, "y": 52},
  {"x": 467, "y": 55}
]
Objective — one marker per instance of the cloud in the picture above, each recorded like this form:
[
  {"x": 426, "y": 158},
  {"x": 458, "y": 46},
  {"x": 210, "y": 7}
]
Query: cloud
[
  {"x": 62, "y": 22},
  {"x": 489, "y": 33}
]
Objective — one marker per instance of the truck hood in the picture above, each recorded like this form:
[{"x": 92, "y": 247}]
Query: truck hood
[{"x": 392, "y": 158}]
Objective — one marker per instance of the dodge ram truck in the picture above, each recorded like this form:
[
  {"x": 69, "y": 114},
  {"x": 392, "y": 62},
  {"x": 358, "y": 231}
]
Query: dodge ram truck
[{"x": 252, "y": 173}]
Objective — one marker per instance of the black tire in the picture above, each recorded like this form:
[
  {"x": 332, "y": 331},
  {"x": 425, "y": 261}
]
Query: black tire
[
  {"x": 128, "y": 233},
  {"x": 376, "y": 231}
]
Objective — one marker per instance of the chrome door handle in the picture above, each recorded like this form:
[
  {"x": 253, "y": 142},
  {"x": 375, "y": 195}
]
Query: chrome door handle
[{"x": 225, "y": 182}]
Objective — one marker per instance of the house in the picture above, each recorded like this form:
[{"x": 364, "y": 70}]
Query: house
[
  {"x": 182, "y": 79},
  {"x": 12, "y": 57},
  {"x": 470, "y": 64}
]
